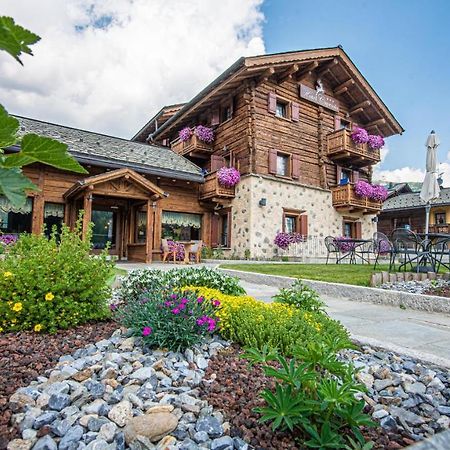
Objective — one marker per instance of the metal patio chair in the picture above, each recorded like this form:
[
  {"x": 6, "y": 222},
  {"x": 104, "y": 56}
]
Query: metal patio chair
[
  {"x": 382, "y": 246},
  {"x": 408, "y": 247}
]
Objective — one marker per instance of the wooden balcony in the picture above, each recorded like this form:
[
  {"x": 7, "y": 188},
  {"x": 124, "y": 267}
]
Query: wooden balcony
[
  {"x": 342, "y": 149},
  {"x": 441, "y": 228},
  {"x": 193, "y": 147},
  {"x": 345, "y": 199},
  {"x": 211, "y": 190}
]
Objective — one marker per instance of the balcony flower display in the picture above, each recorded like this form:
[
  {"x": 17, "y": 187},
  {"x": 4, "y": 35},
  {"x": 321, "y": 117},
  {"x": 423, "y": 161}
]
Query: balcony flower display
[
  {"x": 359, "y": 135},
  {"x": 284, "y": 240},
  {"x": 205, "y": 134},
  {"x": 375, "y": 141},
  {"x": 228, "y": 176},
  {"x": 372, "y": 192},
  {"x": 185, "y": 134}
]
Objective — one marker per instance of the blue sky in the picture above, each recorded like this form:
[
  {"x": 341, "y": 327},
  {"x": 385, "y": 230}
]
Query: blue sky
[{"x": 401, "y": 47}]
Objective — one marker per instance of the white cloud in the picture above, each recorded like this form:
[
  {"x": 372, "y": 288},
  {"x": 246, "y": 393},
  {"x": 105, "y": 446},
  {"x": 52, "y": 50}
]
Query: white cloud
[{"x": 108, "y": 65}]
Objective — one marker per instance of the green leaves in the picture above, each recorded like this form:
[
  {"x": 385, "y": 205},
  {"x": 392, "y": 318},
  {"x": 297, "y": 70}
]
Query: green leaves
[
  {"x": 15, "y": 39},
  {"x": 8, "y": 128},
  {"x": 45, "y": 150},
  {"x": 263, "y": 356},
  {"x": 13, "y": 185}
]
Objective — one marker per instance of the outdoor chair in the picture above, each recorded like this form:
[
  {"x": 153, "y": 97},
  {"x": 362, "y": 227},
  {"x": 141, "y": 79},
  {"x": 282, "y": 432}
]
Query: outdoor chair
[
  {"x": 382, "y": 246},
  {"x": 407, "y": 246},
  {"x": 167, "y": 251},
  {"x": 364, "y": 251},
  {"x": 440, "y": 251},
  {"x": 196, "y": 251},
  {"x": 332, "y": 247}
]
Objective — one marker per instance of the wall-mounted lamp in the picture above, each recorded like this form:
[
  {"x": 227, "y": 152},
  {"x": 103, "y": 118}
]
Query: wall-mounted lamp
[
  {"x": 263, "y": 202},
  {"x": 375, "y": 219}
]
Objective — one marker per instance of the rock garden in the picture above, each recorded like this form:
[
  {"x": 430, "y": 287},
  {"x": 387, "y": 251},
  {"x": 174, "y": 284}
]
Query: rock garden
[{"x": 185, "y": 359}]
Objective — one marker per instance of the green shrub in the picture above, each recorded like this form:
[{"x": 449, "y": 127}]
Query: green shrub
[
  {"x": 168, "y": 319},
  {"x": 140, "y": 281},
  {"x": 49, "y": 284},
  {"x": 301, "y": 296}
]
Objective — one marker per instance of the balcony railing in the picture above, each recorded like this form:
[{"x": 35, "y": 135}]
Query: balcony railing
[
  {"x": 212, "y": 190},
  {"x": 341, "y": 148},
  {"x": 192, "y": 147},
  {"x": 344, "y": 198},
  {"x": 440, "y": 228}
]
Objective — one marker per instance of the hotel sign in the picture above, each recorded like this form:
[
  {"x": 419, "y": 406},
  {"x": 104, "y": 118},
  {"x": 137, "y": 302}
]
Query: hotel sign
[{"x": 318, "y": 97}]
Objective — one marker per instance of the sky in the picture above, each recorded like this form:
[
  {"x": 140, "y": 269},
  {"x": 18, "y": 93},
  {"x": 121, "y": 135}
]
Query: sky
[{"x": 109, "y": 65}]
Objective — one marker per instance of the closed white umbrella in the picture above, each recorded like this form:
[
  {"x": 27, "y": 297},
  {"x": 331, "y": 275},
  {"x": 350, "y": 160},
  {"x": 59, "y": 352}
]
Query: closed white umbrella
[{"x": 430, "y": 188}]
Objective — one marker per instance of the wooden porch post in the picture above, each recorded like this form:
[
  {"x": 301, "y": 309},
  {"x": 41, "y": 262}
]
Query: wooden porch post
[
  {"x": 87, "y": 207},
  {"x": 149, "y": 233},
  {"x": 38, "y": 214}
]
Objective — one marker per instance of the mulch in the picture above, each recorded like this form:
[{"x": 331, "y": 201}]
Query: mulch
[
  {"x": 27, "y": 355},
  {"x": 235, "y": 391},
  {"x": 440, "y": 292}
]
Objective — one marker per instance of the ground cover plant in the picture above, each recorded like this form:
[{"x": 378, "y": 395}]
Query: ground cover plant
[
  {"x": 356, "y": 274},
  {"x": 49, "y": 284}
]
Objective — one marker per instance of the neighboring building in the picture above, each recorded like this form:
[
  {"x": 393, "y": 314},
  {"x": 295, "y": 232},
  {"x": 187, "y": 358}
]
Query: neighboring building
[
  {"x": 284, "y": 120},
  {"x": 407, "y": 209}
]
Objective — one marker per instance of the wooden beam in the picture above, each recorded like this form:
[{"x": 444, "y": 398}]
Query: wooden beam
[
  {"x": 354, "y": 112},
  {"x": 287, "y": 74},
  {"x": 266, "y": 74},
  {"x": 87, "y": 207},
  {"x": 343, "y": 87},
  {"x": 360, "y": 106},
  {"x": 376, "y": 123},
  {"x": 327, "y": 67},
  {"x": 302, "y": 73},
  {"x": 149, "y": 233}
]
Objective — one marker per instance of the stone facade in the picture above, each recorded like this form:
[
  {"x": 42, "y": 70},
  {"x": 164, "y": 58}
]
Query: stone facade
[{"x": 254, "y": 227}]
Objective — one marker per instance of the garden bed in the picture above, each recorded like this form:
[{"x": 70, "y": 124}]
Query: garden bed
[{"x": 439, "y": 287}]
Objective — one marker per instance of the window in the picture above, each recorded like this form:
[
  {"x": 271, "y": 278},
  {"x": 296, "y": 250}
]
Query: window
[
  {"x": 345, "y": 124},
  {"x": 283, "y": 168},
  {"x": 141, "y": 226},
  {"x": 53, "y": 217},
  {"x": 352, "y": 229},
  {"x": 281, "y": 109},
  {"x": 349, "y": 229},
  {"x": 224, "y": 230},
  {"x": 295, "y": 221},
  {"x": 440, "y": 218},
  {"x": 290, "y": 224},
  {"x": 346, "y": 176},
  {"x": 227, "y": 112},
  {"x": 13, "y": 220},
  {"x": 181, "y": 226}
]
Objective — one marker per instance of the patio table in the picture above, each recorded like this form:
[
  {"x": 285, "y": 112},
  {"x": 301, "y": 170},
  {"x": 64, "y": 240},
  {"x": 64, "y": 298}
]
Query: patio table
[
  {"x": 353, "y": 251},
  {"x": 427, "y": 253},
  {"x": 187, "y": 249}
]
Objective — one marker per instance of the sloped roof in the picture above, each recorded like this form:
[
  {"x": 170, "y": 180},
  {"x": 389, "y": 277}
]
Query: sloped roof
[
  {"x": 333, "y": 62},
  {"x": 108, "y": 151},
  {"x": 412, "y": 201}
]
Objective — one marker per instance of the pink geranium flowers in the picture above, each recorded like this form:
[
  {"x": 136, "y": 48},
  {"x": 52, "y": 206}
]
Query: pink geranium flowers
[{"x": 361, "y": 136}]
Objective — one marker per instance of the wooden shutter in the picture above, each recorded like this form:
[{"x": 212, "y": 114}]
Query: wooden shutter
[
  {"x": 358, "y": 231},
  {"x": 272, "y": 102},
  {"x": 217, "y": 162},
  {"x": 303, "y": 224},
  {"x": 338, "y": 174},
  {"x": 355, "y": 176},
  {"x": 273, "y": 161},
  {"x": 295, "y": 167},
  {"x": 215, "y": 118},
  {"x": 215, "y": 230},
  {"x": 337, "y": 123},
  {"x": 295, "y": 111}
]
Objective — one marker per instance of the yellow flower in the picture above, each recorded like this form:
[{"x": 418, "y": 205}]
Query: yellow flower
[
  {"x": 1, "y": 329},
  {"x": 17, "y": 307},
  {"x": 7, "y": 274},
  {"x": 49, "y": 296},
  {"x": 38, "y": 328}
]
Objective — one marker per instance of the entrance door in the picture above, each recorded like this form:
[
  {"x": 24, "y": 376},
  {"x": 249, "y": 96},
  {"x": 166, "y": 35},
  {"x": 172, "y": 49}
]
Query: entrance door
[{"x": 105, "y": 229}]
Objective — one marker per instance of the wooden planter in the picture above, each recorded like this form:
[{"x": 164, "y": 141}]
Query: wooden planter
[
  {"x": 192, "y": 147},
  {"x": 212, "y": 190},
  {"x": 344, "y": 198}
]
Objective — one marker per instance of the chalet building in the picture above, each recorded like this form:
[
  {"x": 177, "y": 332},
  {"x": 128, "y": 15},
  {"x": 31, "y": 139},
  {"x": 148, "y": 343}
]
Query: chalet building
[{"x": 283, "y": 120}]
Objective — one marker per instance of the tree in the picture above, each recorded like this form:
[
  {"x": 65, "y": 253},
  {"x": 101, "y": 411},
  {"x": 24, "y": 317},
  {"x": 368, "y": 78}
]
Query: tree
[{"x": 16, "y": 40}]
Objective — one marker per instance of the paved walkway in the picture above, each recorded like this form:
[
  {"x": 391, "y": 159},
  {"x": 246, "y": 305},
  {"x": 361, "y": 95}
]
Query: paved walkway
[{"x": 420, "y": 334}]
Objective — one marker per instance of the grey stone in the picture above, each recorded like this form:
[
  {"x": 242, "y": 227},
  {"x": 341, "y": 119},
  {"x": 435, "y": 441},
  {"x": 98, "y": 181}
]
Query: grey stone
[
  {"x": 60, "y": 387},
  {"x": 415, "y": 388},
  {"x": 210, "y": 425},
  {"x": 61, "y": 427},
  {"x": 143, "y": 374},
  {"x": 408, "y": 416},
  {"x": 239, "y": 444},
  {"x": 380, "y": 414},
  {"x": 71, "y": 439},
  {"x": 99, "y": 444},
  {"x": 389, "y": 423},
  {"x": 45, "y": 419},
  {"x": 379, "y": 385},
  {"x": 120, "y": 441},
  {"x": 45, "y": 443},
  {"x": 107, "y": 431},
  {"x": 94, "y": 407},
  {"x": 58, "y": 402},
  {"x": 223, "y": 443},
  {"x": 200, "y": 437},
  {"x": 95, "y": 389},
  {"x": 201, "y": 362},
  {"x": 444, "y": 410},
  {"x": 95, "y": 424}
]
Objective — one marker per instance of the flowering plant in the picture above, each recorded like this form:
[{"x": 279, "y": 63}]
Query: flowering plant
[
  {"x": 184, "y": 134},
  {"x": 177, "y": 248},
  {"x": 8, "y": 239},
  {"x": 344, "y": 244},
  {"x": 379, "y": 193},
  {"x": 372, "y": 192},
  {"x": 375, "y": 141},
  {"x": 359, "y": 135},
  {"x": 284, "y": 240},
  {"x": 228, "y": 176},
  {"x": 205, "y": 134},
  {"x": 166, "y": 318}
]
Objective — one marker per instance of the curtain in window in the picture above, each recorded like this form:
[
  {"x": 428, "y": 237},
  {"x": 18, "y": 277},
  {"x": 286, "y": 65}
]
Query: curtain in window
[
  {"x": 7, "y": 207},
  {"x": 182, "y": 219},
  {"x": 54, "y": 210}
]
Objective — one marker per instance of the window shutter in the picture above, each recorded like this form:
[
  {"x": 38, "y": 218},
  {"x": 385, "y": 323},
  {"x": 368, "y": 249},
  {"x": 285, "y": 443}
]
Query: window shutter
[
  {"x": 355, "y": 176},
  {"x": 272, "y": 103},
  {"x": 217, "y": 162},
  {"x": 215, "y": 119},
  {"x": 273, "y": 161},
  {"x": 337, "y": 123},
  {"x": 338, "y": 174},
  {"x": 296, "y": 166},
  {"x": 295, "y": 111},
  {"x": 215, "y": 230},
  {"x": 358, "y": 231},
  {"x": 304, "y": 225}
]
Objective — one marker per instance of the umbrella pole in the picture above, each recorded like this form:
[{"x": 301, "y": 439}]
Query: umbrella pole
[{"x": 427, "y": 219}]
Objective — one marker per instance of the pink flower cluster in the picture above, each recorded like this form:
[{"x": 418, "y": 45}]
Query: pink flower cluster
[
  {"x": 284, "y": 240},
  {"x": 147, "y": 331},
  {"x": 361, "y": 136},
  {"x": 185, "y": 134},
  {"x": 8, "y": 239},
  {"x": 372, "y": 192},
  {"x": 344, "y": 244},
  {"x": 228, "y": 176},
  {"x": 177, "y": 248},
  {"x": 209, "y": 321},
  {"x": 205, "y": 134}
]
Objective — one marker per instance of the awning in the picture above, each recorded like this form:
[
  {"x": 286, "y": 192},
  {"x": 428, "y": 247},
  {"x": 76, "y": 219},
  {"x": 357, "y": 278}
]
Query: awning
[
  {"x": 7, "y": 207},
  {"x": 182, "y": 219},
  {"x": 54, "y": 210}
]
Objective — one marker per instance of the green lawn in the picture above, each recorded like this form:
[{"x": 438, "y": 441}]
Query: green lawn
[
  {"x": 337, "y": 273},
  {"x": 117, "y": 273}
]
